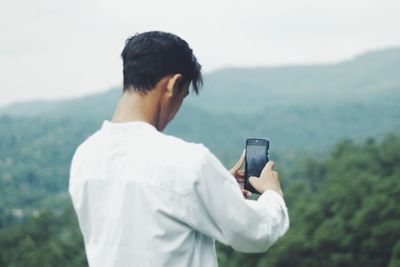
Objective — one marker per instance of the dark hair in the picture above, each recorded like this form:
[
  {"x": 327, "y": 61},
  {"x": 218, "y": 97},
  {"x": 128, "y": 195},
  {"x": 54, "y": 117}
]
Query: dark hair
[{"x": 150, "y": 56}]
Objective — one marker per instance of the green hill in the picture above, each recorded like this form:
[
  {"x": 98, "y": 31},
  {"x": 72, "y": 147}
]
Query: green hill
[
  {"x": 365, "y": 79},
  {"x": 306, "y": 108}
]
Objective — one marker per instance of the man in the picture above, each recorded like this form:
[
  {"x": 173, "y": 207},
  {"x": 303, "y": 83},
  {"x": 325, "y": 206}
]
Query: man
[{"x": 144, "y": 198}]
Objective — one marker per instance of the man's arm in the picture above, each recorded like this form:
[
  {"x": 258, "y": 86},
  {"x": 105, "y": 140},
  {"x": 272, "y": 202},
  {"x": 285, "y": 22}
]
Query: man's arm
[{"x": 218, "y": 209}]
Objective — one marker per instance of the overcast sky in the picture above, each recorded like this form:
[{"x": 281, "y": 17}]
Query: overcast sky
[{"x": 53, "y": 49}]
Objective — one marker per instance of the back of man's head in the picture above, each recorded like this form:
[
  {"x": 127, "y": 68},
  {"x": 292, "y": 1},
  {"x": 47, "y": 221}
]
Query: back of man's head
[{"x": 150, "y": 56}]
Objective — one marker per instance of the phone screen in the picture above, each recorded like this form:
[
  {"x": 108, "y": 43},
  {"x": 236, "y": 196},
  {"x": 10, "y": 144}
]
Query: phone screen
[{"x": 256, "y": 158}]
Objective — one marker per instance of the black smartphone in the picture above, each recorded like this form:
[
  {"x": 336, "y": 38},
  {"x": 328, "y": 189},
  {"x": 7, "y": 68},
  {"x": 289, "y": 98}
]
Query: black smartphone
[{"x": 255, "y": 159}]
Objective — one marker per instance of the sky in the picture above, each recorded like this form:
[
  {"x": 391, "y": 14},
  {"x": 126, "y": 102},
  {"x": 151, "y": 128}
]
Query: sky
[{"x": 52, "y": 49}]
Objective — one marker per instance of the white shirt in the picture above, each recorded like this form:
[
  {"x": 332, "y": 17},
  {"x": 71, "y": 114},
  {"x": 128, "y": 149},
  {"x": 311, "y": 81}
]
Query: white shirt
[{"x": 144, "y": 198}]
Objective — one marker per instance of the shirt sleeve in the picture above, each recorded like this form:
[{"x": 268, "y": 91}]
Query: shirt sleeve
[{"x": 218, "y": 209}]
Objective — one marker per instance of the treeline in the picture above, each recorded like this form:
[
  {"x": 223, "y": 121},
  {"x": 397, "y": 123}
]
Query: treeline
[
  {"x": 344, "y": 211},
  {"x": 34, "y": 160}
]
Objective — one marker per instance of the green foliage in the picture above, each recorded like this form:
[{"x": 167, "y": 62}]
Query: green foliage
[
  {"x": 34, "y": 160},
  {"x": 48, "y": 239},
  {"x": 352, "y": 218}
]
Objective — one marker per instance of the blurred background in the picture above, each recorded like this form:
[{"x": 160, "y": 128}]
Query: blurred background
[{"x": 320, "y": 79}]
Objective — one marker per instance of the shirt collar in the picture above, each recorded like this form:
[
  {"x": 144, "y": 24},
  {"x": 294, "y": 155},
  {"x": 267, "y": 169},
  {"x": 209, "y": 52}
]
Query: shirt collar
[{"x": 127, "y": 125}]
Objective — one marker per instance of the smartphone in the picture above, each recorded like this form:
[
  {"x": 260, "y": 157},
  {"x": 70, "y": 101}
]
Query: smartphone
[{"x": 255, "y": 159}]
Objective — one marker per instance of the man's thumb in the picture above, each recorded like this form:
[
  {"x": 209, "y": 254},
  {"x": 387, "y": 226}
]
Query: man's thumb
[
  {"x": 255, "y": 182},
  {"x": 270, "y": 165}
]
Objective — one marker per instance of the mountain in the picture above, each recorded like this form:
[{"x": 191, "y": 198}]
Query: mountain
[
  {"x": 101, "y": 104},
  {"x": 304, "y": 108},
  {"x": 367, "y": 78},
  {"x": 364, "y": 79}
]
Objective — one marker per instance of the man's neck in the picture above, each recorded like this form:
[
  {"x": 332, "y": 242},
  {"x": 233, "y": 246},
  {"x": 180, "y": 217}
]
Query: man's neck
[{"x": 135, "y": 106}]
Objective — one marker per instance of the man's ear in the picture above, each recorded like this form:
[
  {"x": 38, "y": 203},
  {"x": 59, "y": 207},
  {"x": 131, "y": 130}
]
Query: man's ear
[{"x": 173, "y": 84}]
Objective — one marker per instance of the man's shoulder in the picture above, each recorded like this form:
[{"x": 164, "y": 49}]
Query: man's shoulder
[
  {"x": 85, "y": 148},
  {"x": 159, "y": 148},
  {"x": 90, "y": 140}
]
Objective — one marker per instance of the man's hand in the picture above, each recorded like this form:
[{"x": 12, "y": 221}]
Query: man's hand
[
  {"x": 269, "y": 180},
  {"x": 239, "y": 174}
]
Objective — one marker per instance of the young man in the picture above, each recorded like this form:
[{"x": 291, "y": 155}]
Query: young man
[{"x": 144, "y": 198}]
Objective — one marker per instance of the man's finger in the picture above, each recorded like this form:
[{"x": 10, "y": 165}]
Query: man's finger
[
  {"x": 246, "y": 193},
  {"x": 240, "y": 173},
  {"x": 239, "y": 164},
  {"x": 270, "y": 165}
]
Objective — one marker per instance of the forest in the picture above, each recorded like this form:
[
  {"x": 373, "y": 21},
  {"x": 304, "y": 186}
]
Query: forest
[{"x": 344, "y": 208}]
